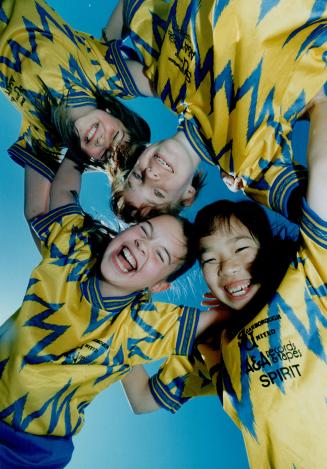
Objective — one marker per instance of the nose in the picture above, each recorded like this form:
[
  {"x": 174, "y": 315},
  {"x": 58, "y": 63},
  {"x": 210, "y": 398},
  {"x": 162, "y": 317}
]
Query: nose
[
  {"x": 141, "y": 246},
  {"x": 152, "y": 173},
  {"x": 229, "y": 267},
  {"x": 99, "y": 140}
]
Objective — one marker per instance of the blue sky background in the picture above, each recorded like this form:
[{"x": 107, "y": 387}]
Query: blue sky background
[{"x": 200, "y": 435}]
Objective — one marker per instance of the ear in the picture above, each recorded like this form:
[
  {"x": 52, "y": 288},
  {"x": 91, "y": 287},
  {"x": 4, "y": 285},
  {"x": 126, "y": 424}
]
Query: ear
[
  {"x": 189, "y": 196},
  {"x": 160, "y": 286}
]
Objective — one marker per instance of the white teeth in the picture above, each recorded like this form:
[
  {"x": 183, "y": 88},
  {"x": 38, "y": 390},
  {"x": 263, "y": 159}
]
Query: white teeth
[
  {"x": 121, "y": 265},
  {"x": 91, "y": 132},
  {"x": 129, "y": 257},
  {"x": 239, "y": 289},
  {"x": 163, "y": 163}
]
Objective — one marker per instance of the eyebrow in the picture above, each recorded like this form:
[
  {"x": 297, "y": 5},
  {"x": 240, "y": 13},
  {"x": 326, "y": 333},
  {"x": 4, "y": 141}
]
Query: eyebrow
[{"x": 165, "y": 249}]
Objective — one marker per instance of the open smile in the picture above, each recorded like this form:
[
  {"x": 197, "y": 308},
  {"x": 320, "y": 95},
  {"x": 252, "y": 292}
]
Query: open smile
[
  {"x": 90, "y": 134},
  {"x": 125, "y": 261},
  {"x": 238, "y": 290},
  {"x": 163, "y": 163}
]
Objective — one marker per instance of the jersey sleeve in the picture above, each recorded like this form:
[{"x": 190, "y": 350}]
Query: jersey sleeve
[
  {"x": 181, "y": 378},
  {"x": 23, "y": 154},
  {"x": 159, "y": 330},
  {"x": 313, "y": 230},
  {"x": 281, "y": 187},
  {"x": 60, "y": 231}
]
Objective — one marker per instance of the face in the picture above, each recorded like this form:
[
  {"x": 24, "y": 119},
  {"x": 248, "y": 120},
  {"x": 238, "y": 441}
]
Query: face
[
  {"x": 144, "y": 255},
  {"x": 227, "y": 256},
  {"x": 161, "y": 177},
  {"x": 100, "y": 133}
]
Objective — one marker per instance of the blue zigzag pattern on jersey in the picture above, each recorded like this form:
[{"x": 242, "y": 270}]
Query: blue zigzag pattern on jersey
[
  {"x": 219, "y": 7},
  {"x": 95, "y": 323},
  {"x": 38, "y": 320},
  {"x": 74, "y": 75},
  {"x": 118, "y": 366},
  {"x": 242, "y": 406},
  {"x": 32, "y": 29},
  {"x": 266, "y": 7},
  {"x": 46, "y": 17},
  {"x": 17, "y": 409},
  {"x": 167, "y": 92},
  {"x": 3, "y": 17},
  {"x": 3, "y": 364},
  {"x": 310, "y": 336}
]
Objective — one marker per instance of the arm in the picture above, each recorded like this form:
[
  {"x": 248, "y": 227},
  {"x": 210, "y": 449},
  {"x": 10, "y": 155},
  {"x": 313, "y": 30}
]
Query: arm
[
  {"x": 136, "y": 383},
  {"x": 114, "y": 29},
  {"x": 137, "y": 391},
  {"x": 36, "y": 197},
  {"x": 66, "y": 182},
  {"x": 317, "y": 159},
  {"x": 114, "y": 26}
]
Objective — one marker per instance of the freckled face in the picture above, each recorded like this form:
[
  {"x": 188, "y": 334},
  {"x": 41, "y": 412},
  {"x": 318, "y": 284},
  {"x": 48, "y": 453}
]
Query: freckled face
[
  {"x": 143, "y": 255},
  {"x": 99, "y": 133},
  {"x": 227, "y": 256},
  {"x": 162, "y": 176}
]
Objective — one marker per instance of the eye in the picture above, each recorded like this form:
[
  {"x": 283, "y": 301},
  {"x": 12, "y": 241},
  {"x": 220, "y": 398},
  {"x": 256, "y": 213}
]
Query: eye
[
  {"x": 241, "y": 249},
  {"x": 158, "y": 194},
  {"x": 137, "y": 175},
  {"x": 163, "y": 256},
  {"x": 211, "y": 260},
  {"x": 144, "y": 230}
]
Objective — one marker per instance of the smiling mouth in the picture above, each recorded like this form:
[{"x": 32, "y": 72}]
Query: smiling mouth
[
  {"x": 163, "y": 163},
  {"x": 238, "y": 290},
  {"x": 90, "y": 134},
  {"x": 126, "y": 261}
]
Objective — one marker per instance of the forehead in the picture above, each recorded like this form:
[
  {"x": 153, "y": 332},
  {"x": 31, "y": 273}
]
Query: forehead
[
  {"x": 226, "y": 231},
  {"x": 169, "y": 231}
]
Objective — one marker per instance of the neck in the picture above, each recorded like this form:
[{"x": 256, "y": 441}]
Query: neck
[
  {"x": 108, "y": 290},
  {"x": 189, "y": 150}
]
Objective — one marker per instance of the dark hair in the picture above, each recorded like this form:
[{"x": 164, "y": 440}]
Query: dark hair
[
  {"x": 55, "y": 114},
  {"x": 130, "y": 214},
  {"x": 100, "y": 235},
  {"x": 275, "y": 254},
  {"x": 191, "y": 252}
]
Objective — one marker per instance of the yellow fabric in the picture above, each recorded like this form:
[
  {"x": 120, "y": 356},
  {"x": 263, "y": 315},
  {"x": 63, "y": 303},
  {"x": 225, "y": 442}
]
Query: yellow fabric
[
  {"x": 273, "y": 375},
  {"x": 67, "y": 342},
  {"x": 241, "y": 72}
]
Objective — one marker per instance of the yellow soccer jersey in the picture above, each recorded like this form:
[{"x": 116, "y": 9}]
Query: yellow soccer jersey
[
  {"x": 239, "y": 73},
  {"x": 273, "y": 375},
  {"x": 67, "y": 342},
  {"x": 36, "y": 44}
]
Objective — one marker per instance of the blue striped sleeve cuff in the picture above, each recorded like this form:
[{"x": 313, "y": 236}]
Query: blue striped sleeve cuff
[
  {"x": 313, "y": 226},
  {"x": 41, "y": 223},
  {"x": 163, "y": 396},
  {"x": 116, "y": 50},
  {"x": 23, "y": 156},
  {"x": 286, "y": 192},
  {"x": 187, "y": 330}
]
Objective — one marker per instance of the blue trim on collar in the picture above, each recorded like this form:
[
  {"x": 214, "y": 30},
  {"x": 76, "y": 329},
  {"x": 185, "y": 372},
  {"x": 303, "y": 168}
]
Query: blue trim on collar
[
  {"x": 192, "y": 133},
  {"x": 114, "y": 305}
]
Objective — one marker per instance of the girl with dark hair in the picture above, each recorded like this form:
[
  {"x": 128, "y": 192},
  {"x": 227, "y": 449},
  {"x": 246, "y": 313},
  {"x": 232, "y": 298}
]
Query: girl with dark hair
[
  {"x": 268, "y": 360},
  {"x": 67, "y": 86},
  {"x": 86, "y": 319}
]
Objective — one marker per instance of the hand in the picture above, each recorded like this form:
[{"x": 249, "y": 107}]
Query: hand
[
  {"x": 233, "y": 183},
  {"x": 216, "y": 306}
]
